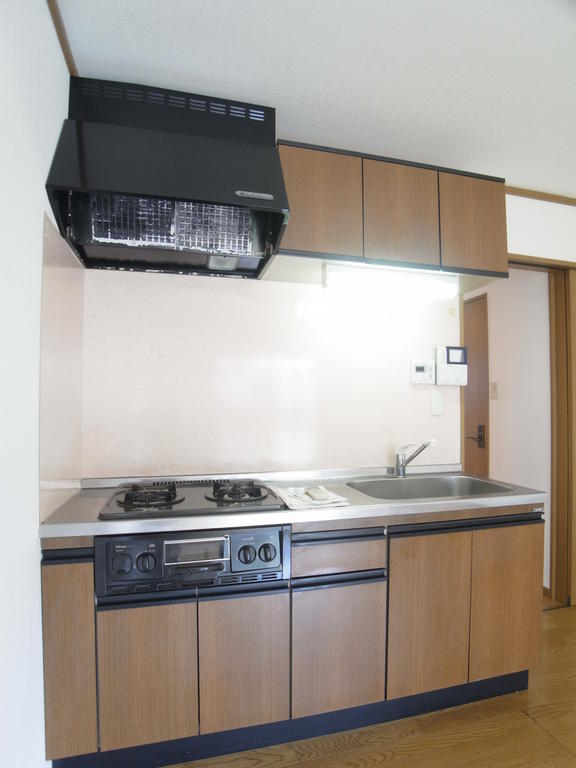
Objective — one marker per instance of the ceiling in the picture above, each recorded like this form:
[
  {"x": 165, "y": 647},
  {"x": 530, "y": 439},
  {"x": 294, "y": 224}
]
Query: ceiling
[{"x": 488, "y": 87}]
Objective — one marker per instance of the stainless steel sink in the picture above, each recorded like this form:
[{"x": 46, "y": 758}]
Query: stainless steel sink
[{"x": 428, "y": 487}]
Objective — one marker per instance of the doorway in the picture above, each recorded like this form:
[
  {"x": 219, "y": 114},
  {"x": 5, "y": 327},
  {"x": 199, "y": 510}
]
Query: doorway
[{"x": 525, "y": 388}]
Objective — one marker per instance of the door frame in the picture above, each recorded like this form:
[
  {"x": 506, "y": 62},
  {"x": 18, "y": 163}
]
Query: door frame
[{"x": 562, "y": 311}]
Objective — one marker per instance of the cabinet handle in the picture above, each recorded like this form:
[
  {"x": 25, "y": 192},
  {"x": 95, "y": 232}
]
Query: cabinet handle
[{"x": 338, "y": 580}]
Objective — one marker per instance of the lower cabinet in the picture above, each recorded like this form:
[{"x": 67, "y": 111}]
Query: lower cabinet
[
  {"x": 338, "y": 646},
  {"x": 464, "y": 606},
  {"x": 244, "y": 655},
  {"x": 69, "y": 659},
  {"x": 147, "y": 674},
  {"x": 428, "y": 631},
  {"x": 171, "y": 671},
  {"x": 506, "y": 611}
]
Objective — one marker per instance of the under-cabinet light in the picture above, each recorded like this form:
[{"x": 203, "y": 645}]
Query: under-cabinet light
[{"x": 386, "y": 282}]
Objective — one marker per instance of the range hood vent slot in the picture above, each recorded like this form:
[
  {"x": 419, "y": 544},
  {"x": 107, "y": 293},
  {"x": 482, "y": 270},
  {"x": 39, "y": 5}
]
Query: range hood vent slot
[{"x": 90, "y": 91}]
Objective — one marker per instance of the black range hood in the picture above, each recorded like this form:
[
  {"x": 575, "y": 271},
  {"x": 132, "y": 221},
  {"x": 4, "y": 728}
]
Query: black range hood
[{"x": 148, "y": 179}]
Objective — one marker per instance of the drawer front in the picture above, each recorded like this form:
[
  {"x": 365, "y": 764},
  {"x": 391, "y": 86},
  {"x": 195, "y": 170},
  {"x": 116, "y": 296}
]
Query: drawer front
[{"x": 322, "y": 558}]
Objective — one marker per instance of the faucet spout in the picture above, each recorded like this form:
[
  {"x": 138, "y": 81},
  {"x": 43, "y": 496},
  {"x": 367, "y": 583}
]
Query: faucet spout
[{"x": 402, "y": 460}]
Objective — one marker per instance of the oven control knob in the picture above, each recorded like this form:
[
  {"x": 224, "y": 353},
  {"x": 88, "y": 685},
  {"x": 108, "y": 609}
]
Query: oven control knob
[
  {"x": 267, "y": 552},
  {"x": 121, "y": 564},
  {"x": 145, "y": 562},
  {"x": 247, "y": 554}
]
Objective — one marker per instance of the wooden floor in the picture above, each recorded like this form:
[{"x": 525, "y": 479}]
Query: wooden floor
[{"x": 534, "y": 728}]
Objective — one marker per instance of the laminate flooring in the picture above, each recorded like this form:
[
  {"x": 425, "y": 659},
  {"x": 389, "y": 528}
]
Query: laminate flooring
[{"x": 534, "y": 728}]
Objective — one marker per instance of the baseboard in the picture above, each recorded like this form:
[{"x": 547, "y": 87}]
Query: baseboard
[{"x": 212, "y": 745}]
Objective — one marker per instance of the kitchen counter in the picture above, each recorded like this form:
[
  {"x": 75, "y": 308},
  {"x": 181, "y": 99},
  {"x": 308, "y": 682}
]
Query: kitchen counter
[
  {"x": 339, "y": 631},
  {"x": 78, "y": 516}
]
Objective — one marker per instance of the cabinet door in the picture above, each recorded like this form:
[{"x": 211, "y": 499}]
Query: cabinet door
[
  {"x": 69, "y": 659},
  {"x": 244, "y": 647},
  {"x": 428, "y": 621},
  {"x": 325, "y": 197},
  {"x": 338, "y": 647},
  {"x": 401, "y": 213},
  {"x": 473, "y": 223},
  {"x": 506, "y": 620},
  {"x": 147, "y": 674}
]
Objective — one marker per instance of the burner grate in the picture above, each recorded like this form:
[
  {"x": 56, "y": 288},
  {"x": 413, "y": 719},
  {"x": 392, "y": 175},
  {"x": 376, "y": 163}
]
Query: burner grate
[
  {"x": 236, "y": 492},
  {"x": 146, "y": 497}
]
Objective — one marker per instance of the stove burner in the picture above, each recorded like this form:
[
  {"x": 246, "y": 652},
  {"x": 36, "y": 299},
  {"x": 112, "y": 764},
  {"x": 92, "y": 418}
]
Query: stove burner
[
  {"x": 234, "y": 492},
  {"x": 147, "y": 497}
]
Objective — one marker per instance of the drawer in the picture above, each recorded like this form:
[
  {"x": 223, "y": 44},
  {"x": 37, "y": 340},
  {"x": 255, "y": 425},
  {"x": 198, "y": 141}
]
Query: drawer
[{"x": 319, "y": 557}]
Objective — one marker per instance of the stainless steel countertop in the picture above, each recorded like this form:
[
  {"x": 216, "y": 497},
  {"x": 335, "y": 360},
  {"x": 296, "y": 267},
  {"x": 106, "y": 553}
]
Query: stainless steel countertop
[{"x": 78, "y": 516}]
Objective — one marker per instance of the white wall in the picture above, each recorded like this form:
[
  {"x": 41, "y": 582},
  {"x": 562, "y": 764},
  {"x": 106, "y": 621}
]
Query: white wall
[
  {"x": 34, "y": 97},
  {"x": 185, "y": 375},
  {"x": 539, "y": 228},
  {"x": 519, "y": 361},
  {"x": 61, "y": 360}
]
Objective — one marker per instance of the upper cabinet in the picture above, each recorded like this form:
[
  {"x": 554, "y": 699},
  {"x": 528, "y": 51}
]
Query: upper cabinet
[
  {"x": 473, "y": 223},
  {"x": 325, "y": 196},
  {"x": 401, "y": 213},
  {"x": 385, "y": 211}
]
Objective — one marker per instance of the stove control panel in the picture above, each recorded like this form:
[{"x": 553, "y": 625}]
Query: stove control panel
[
  {"x": 141, "y": 563},
  {"x": 129, "y": 559},
  {"x": 255, "y": 549}
]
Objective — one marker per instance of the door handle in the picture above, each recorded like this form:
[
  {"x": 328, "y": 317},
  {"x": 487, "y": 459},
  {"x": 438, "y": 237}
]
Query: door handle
[{"x": 479, "y": 438}]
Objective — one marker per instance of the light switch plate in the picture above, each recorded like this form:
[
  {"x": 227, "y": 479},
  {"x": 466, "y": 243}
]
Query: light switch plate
[{"x": 437, "y": 403}]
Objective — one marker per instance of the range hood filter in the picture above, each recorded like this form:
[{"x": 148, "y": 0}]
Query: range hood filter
[{"x": 137, "y": 222}]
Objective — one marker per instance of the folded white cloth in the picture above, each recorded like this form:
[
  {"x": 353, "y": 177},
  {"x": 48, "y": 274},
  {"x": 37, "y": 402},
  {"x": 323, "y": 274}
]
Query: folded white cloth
[{"x": 310, "y": 497}]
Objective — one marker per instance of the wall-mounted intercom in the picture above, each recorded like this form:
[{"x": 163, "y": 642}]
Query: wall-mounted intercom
[{"x": 451, "y": 366}]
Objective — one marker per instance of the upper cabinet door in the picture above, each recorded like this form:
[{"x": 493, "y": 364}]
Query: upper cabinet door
[
  {"x": 473, "y": 223},
  {"x": 325, "y": 197},
  {"x": 401, "y": 213}
]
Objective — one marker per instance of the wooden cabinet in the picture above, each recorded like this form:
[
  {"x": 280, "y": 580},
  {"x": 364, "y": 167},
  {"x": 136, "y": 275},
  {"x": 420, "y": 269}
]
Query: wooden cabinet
[
  {"x": 473, "y": 223},
  {"x": 401, "y": 213},
  {"x": 338, "y": 647},
  {"x": 69, "y": 659},
  {"x": 147, "y": 674},
  {"x": 244, "y": 655},
  {"x": 326, "y": 557},
  {"x": 428, "y": 631},
  {"x": 385, "y": 211},
  {"x": 325, "y": 197},
  {"x": 464, "y": 606},
  {"x": 505, "y": 627}
]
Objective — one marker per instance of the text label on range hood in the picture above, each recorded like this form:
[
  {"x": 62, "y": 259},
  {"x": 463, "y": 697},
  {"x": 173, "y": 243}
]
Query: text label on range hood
[{"x": 154, "y": 180}]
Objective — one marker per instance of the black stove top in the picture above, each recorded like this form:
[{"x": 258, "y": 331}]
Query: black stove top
[{"x": 171, "y": 499}]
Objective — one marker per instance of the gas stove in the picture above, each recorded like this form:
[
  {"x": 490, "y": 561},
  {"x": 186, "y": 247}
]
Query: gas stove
[{"x": 182, "y": 499}]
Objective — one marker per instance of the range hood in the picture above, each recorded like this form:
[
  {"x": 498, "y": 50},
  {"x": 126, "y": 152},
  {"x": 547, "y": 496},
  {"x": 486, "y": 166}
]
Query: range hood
[{"x": 147, "y": 179}]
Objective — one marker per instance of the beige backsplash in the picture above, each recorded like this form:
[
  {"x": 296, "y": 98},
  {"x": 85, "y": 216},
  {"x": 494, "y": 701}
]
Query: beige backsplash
[{"x": 184, "y": 375}]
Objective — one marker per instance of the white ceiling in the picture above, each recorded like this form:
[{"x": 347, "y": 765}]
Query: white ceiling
[{"x": 486, "y": 86}]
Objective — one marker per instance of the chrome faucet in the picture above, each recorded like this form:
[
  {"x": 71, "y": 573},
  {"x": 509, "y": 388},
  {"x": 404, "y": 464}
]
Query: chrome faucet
[{"x": 401, "y": 460}]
